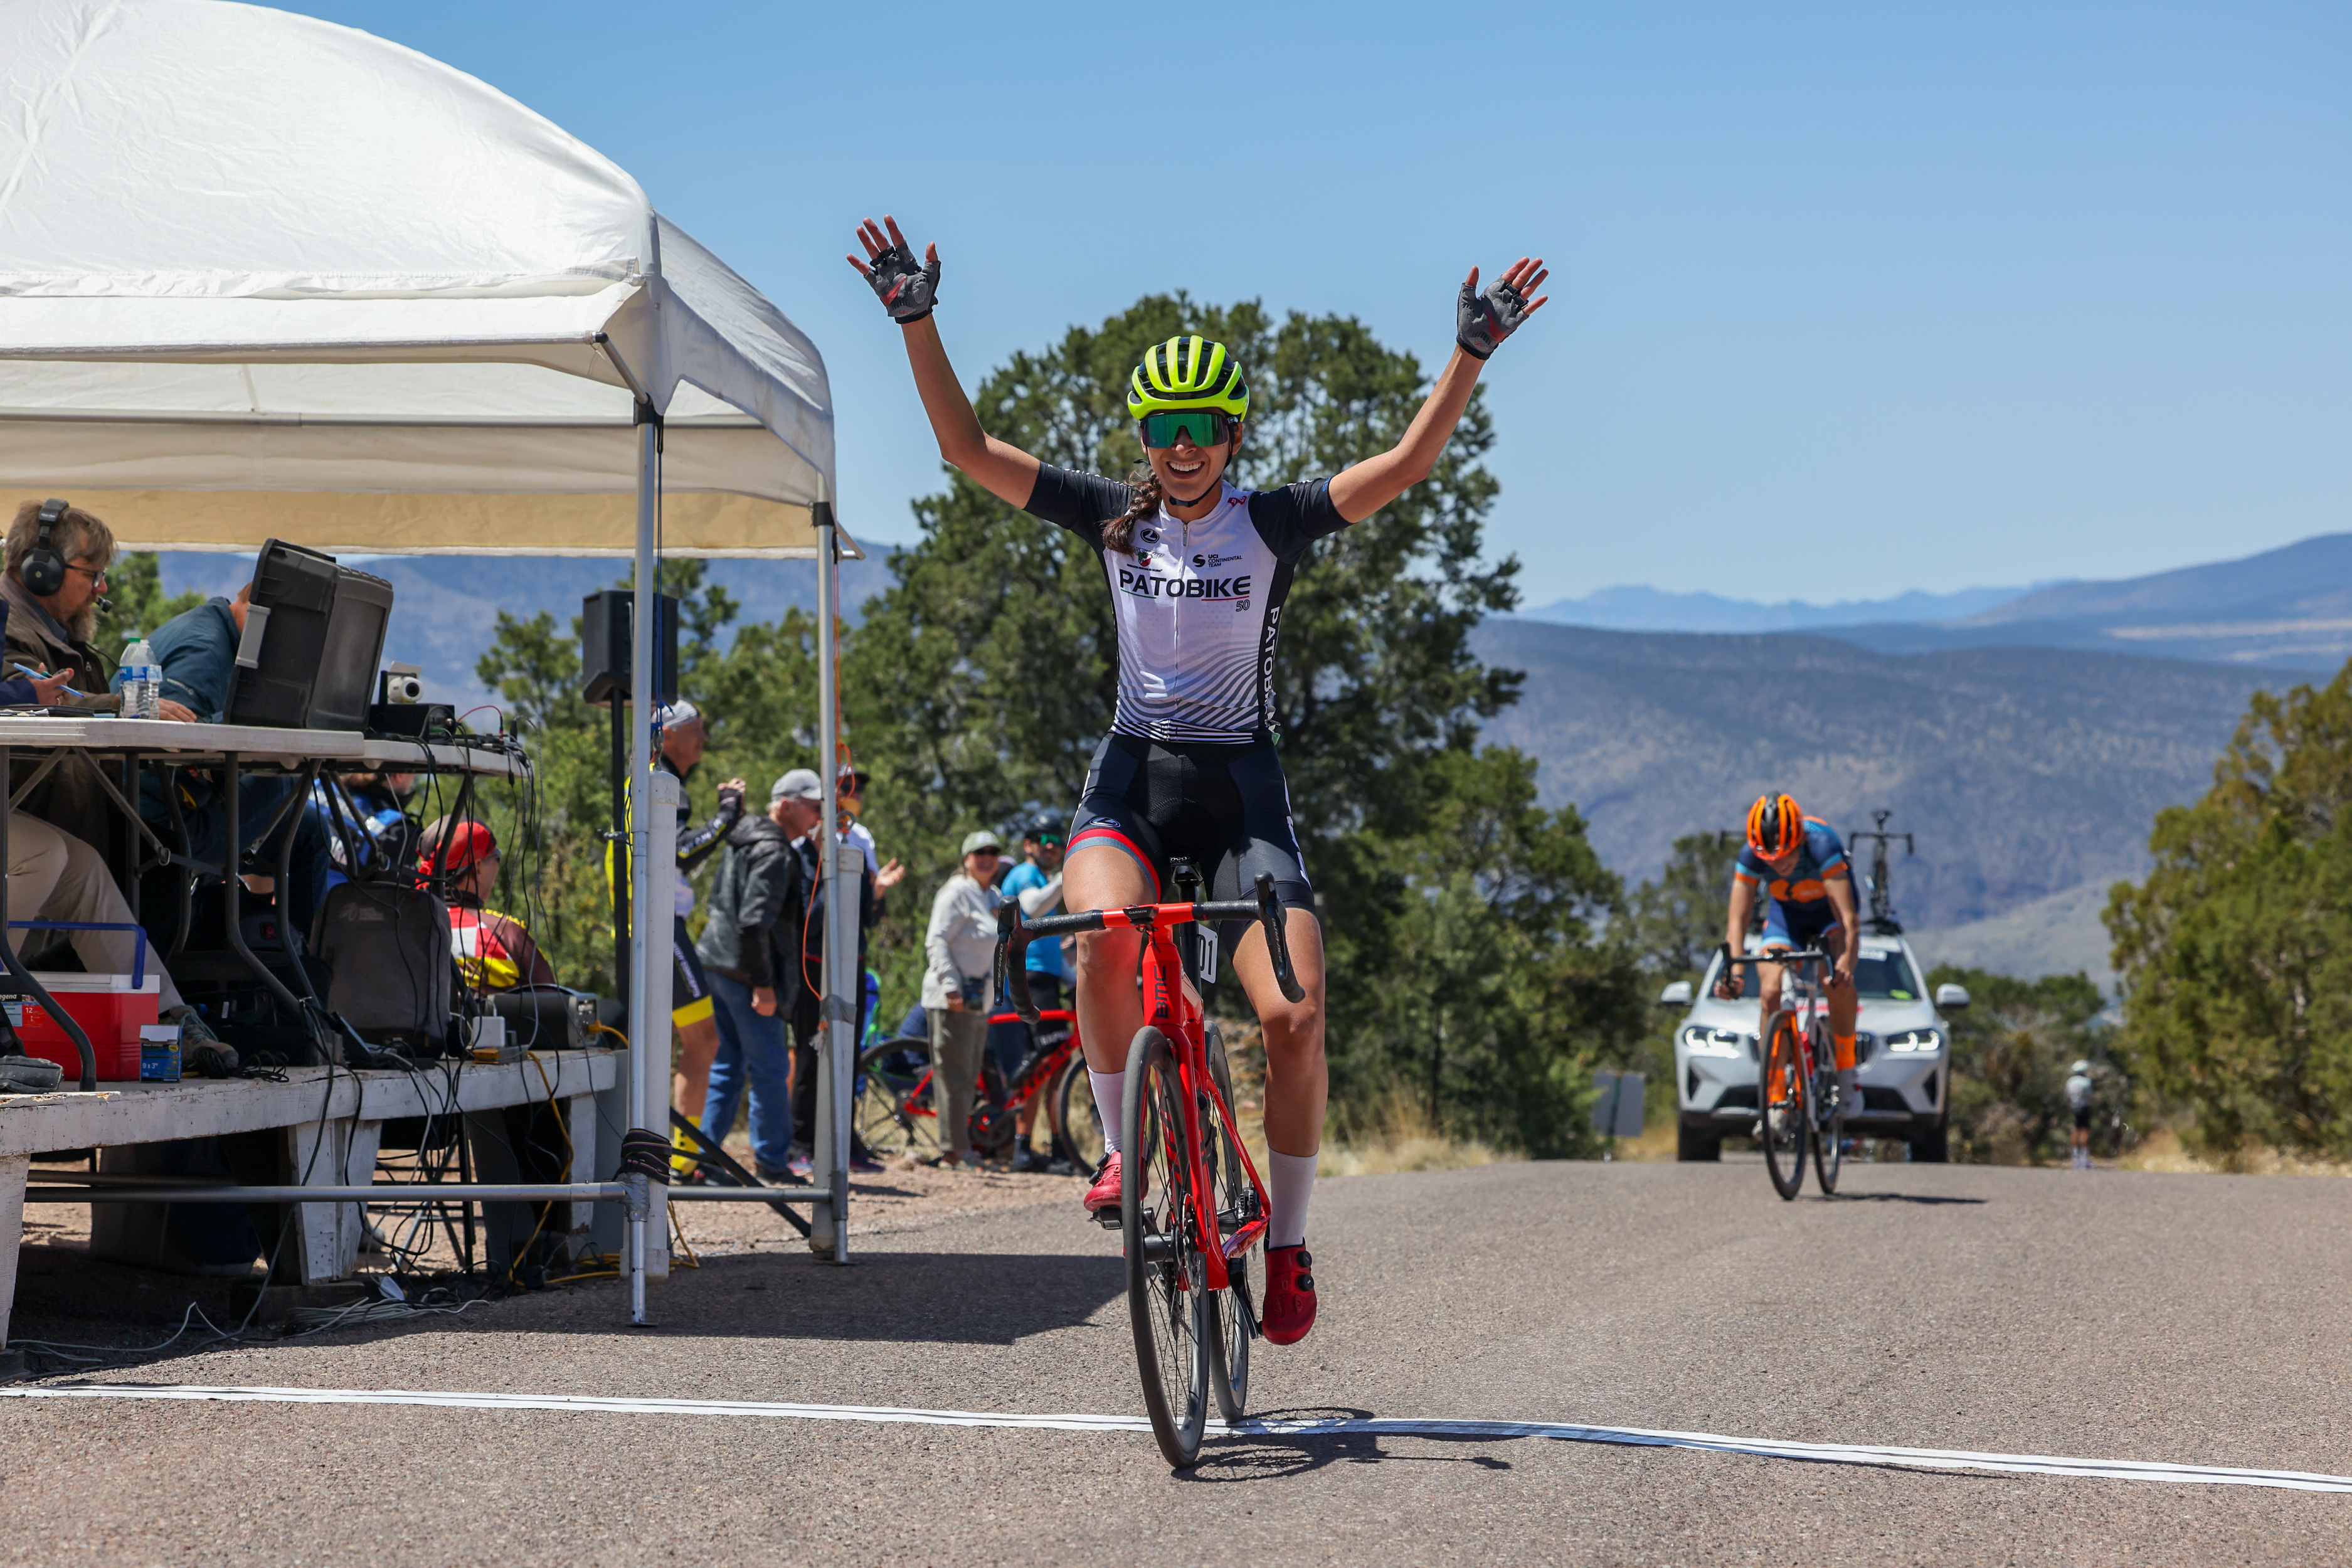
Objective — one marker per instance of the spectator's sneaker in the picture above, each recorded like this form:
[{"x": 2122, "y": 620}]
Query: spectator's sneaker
[
  {"x": 800, "y": 1165},
  {"x": 1028, "y": 1161},
  {"x": 1103, "y": 1198},
  {"x": 864, "y": 1164},
  {"x": 28, "y": 1075},
  {"x": 1289, "y": 1295}
]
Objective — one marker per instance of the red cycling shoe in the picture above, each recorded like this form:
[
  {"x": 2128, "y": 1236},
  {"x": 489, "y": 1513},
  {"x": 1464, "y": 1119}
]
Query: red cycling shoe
[
  {"x": 1289, "y": 1295},
  {"x": 1105, "y": 1194}
]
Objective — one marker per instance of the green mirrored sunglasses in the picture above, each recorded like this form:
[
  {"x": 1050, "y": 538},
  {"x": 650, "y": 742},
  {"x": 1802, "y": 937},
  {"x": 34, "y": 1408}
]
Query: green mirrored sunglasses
[{"x": 1205, "y": 427}]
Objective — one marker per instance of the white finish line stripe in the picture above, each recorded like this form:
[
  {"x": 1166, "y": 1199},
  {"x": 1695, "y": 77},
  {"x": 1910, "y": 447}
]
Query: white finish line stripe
[{"x": 1384, "y": 1426}]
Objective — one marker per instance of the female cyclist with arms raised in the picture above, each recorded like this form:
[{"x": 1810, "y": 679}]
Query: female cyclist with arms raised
[{"x": 1198, "y": 571}]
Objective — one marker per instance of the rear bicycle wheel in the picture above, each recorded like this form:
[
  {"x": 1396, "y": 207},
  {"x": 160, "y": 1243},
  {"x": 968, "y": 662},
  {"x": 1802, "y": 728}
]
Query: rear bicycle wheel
[
  {"x": 891, "y": 1113},
  {"x": 1784, "y": 1127},
  {"x": 1165, "y": 1301},
  {"x": 1078, "y": 1118},
  {"x": 1829, "y": 1129},
  {"x": 1232, "y": 1312}
]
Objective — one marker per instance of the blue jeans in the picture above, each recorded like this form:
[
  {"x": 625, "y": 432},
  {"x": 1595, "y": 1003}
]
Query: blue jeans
[{"x": 751, "y": 1053}]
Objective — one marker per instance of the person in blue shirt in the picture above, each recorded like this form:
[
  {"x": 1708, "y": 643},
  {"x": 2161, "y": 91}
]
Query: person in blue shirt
[
  {"x": 369, "y": 830},
  {"x": 1798, "y": 864},
  {"x": 198, "y": 653},
  {"x": 1038, "y": 883}
]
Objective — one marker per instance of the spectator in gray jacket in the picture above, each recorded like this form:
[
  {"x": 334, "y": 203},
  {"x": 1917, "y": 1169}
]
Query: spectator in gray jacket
[
  {"x": 957, "y": 989},
  {"x": 748, "y": 949}
]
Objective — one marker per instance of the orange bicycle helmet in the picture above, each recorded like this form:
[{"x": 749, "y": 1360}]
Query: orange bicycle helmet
[{"x": 1775, "y": 825}]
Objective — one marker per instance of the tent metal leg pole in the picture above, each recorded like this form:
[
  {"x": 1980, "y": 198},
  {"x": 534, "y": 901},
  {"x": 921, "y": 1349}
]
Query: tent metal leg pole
[
  {"x": 845, "y": 864},
  {"x": 647, "y": 1057}
]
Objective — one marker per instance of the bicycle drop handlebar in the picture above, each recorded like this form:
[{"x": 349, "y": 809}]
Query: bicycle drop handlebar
[
  {"x": 1016, "y": 930},
  {"x": 1776, "y": 955}
]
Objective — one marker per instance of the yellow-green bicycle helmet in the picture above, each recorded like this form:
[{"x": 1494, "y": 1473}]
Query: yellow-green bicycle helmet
[{"x": 1188, "y": 373}]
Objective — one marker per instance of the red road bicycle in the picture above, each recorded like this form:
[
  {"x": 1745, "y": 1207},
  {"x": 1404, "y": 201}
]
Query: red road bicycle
[
  {"x": 1193, "y": 1213},
  {"x": 892, "y": 1111}
]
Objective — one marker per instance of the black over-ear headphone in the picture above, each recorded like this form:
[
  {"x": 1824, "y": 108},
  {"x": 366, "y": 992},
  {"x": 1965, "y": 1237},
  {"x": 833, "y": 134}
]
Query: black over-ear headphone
[{"x": 43, "y": 569}]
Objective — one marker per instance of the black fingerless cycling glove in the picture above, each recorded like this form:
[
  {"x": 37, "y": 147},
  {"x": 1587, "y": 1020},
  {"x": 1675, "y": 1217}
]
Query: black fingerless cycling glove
[
  {"x": 1480, "y": 321},
  {"x": 906, "y": 288}
]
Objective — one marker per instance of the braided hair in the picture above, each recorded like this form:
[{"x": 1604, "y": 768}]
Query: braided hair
[{"x": 1118, "y": 535}]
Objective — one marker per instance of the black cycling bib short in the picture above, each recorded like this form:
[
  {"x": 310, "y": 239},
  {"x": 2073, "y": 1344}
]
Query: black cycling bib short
[{"x": 1189, "y": 770}]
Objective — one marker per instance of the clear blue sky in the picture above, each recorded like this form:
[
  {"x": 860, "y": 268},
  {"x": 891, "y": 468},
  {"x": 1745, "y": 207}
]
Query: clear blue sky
[{"x": 1848, "y": 299}]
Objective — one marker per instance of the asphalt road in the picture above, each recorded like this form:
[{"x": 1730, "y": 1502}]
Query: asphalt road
[{"x": 2191, "y": 1319}]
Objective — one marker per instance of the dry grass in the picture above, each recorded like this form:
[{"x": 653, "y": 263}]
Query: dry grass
[
  {"x": 1656, "y": 1142},
  {"x": 2163, "y": 1151},
  {"x": 1405, "y": 1139}
]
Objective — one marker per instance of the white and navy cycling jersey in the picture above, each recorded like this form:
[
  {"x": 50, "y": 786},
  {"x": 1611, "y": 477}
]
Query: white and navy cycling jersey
[{"x": 1198, "y": 604}]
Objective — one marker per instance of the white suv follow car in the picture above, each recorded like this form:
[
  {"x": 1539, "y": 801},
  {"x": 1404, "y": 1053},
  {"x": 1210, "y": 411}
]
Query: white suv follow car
[{"x": 1902, "y": 1047}]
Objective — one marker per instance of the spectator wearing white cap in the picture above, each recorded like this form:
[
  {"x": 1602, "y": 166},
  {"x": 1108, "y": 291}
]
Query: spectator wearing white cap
[
  {"x": 958, "y": 988},
  {"x": 751, "y": 945},
  {"x": 803, "y": 784}
]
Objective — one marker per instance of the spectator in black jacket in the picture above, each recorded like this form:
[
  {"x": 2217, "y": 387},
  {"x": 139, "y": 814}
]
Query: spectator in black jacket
[
  {"x": 803, "y": 784},
  {"x": 748, "y": 947}
]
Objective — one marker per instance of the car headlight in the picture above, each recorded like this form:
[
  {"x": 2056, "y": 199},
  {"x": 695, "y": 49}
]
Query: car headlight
[
  {"x": 1916, "y": 1040},
  {"x": 1704, "y": 1042}
]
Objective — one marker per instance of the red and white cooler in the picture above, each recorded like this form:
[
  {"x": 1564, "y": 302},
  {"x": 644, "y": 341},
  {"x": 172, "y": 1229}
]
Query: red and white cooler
[{"x": 108, "y": 1009}]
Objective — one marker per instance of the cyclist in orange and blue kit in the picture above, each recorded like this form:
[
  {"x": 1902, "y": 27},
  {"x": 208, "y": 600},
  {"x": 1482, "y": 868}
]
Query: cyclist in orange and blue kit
[{"x": 1801, "y": 863}]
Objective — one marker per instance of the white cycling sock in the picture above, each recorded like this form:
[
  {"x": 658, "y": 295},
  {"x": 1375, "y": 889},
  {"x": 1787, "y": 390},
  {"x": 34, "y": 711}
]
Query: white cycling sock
[
  {"x": 1290, "y": 1184},
  {"x": 1110, "y": 1093}
]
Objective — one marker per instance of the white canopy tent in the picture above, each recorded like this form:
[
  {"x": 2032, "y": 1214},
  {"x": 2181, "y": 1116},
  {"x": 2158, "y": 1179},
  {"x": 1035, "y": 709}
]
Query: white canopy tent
[{"x": 262, "y": 276}]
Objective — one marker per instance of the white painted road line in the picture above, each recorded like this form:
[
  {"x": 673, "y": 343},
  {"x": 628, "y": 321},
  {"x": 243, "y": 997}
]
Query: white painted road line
[{"x": 1383, "y": 1425}]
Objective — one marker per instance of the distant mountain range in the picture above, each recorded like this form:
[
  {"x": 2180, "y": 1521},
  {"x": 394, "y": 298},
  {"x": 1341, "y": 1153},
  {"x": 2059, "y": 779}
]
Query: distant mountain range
[
  {"x": 2025, "y": 772},
  {"x": 2027, "y": 736},
  {"x": 1656, "y": 610},
  {"x": 2284, "y": 609}
]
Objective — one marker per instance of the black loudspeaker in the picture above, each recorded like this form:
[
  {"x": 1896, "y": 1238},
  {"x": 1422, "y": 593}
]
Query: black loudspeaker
[
  {"x": 605, "y": 646},
  {"x": 312, "y": 644}
]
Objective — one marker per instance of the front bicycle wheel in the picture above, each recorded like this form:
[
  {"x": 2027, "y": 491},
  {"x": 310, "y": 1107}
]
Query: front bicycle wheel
[
  {"x": 1232, "y": 1312},
  {"x": 891, "y": 1113},
  {"x": 1784, "y": 1127},
  {"x": 1164, "y": 1295},
  {"x": 1079, "y": 1119},
  {"x": 1829, "y": 1128}
]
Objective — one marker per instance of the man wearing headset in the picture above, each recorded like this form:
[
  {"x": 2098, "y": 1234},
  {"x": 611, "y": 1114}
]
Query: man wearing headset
[{"x": 55, "y": 560}]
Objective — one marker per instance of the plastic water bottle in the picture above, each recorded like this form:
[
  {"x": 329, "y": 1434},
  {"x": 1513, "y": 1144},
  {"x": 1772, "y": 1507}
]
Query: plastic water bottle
[{"x": 142, "y": 681}]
